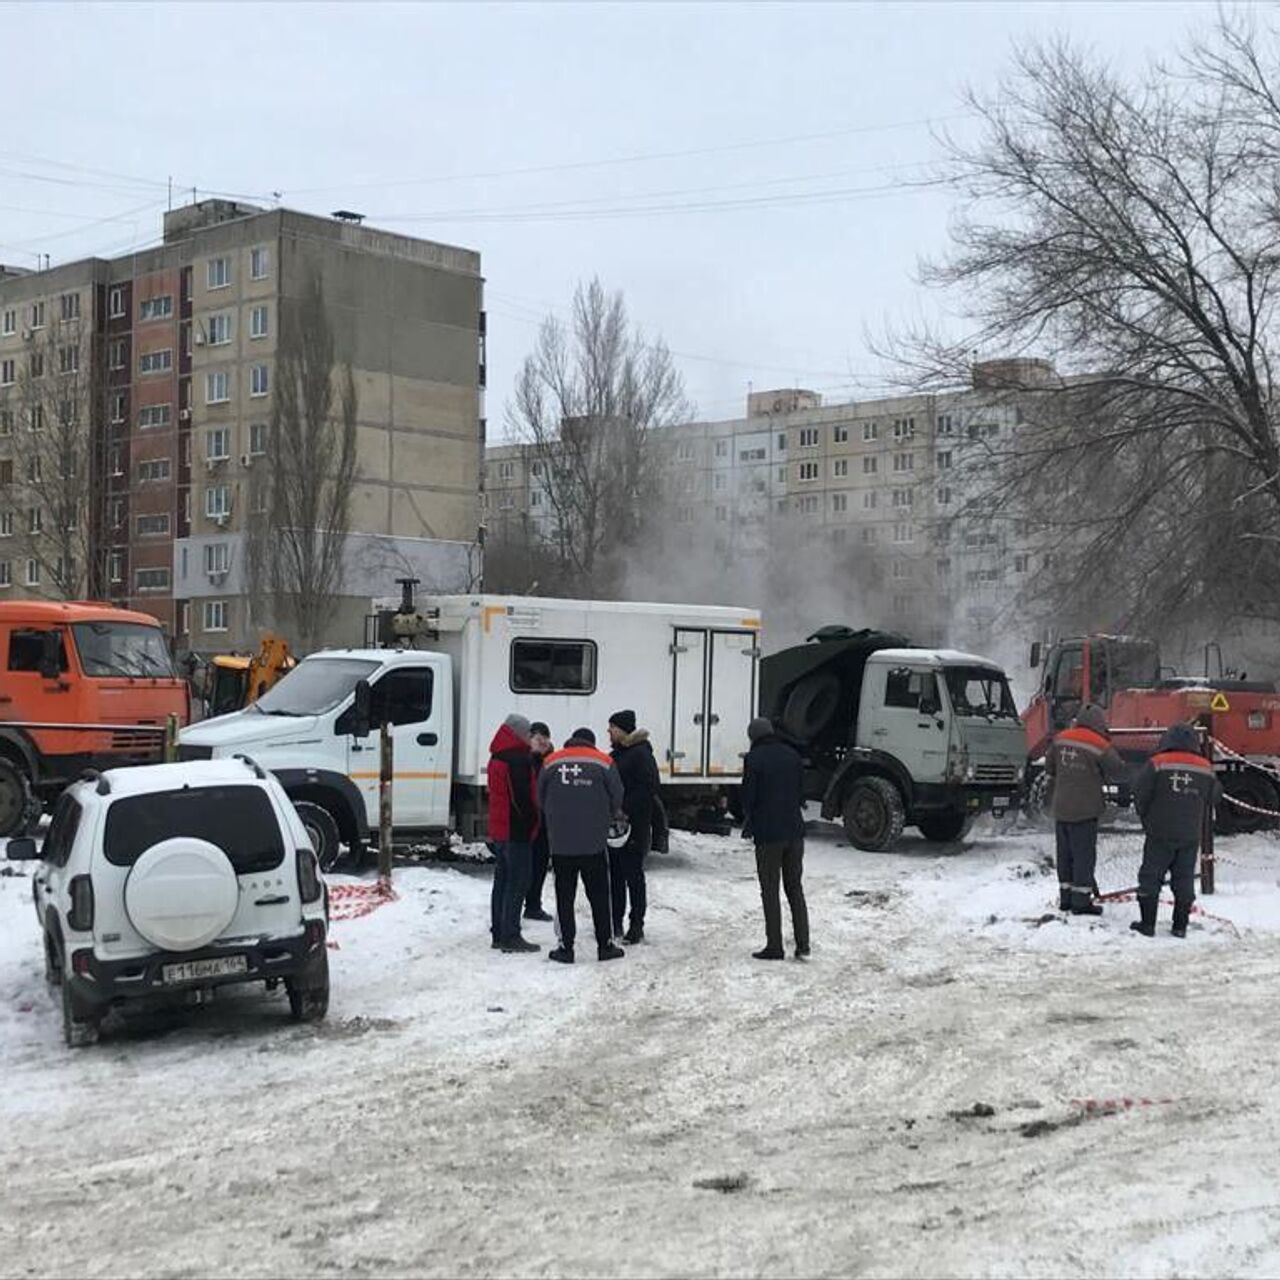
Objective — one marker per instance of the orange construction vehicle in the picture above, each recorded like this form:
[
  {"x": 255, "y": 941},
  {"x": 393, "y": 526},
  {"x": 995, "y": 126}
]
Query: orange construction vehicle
[
  {"x": 1123, "y": 675},
  {"x": 236, "y": 680},
  {"x": 83, "y": 686}
]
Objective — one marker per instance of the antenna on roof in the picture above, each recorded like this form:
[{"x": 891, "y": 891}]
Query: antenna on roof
[{"x": 345, "y": 215}]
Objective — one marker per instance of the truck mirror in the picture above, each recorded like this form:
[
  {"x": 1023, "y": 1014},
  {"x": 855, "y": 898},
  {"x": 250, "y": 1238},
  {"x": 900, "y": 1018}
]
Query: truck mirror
[
  {"x": 362, "y": 710},
  {"x": 22, "y": 849},
  {"x": 50, "y": 655},
  {"x": 1035, "y": 654},
  {"x": 928, "y": 707}
]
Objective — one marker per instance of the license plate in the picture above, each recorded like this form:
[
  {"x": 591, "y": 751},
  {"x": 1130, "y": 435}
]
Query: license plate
[
  {"x": 998, "y": 806},
  {"x": 194, "y": 970}
]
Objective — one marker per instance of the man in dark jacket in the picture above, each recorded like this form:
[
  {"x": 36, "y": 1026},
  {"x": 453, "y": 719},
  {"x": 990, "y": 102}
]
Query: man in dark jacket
[
  {"x": 638, "y": 770},
  {"x": 513, "y": 824},
  {"x": 1078, "y": 762},
  {"x": 1171, "y": 793},
  {"x": 541, "y": 746},
  {"x": 772, "y": 807},
  {"x": 580, "y": 793}
]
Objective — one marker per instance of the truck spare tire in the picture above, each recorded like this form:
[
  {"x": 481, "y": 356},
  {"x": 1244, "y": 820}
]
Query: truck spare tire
[
  {"x": 181, "y": 894},
  {"x": 811, "y": 705}
]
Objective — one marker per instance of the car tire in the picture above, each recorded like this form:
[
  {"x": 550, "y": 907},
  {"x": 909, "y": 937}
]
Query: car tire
[
  {"x": 322, "y": 831},
  {"x": 79, "y": 1027},
  {"x": 874, "y": 814},
  {"x": 18, "y": 807},
  {"x": 52, "y": 962},
  {"x": 309, "y": 991},
  {"x": 945, "y": 828},
  {"x": 811, "y": 705}
]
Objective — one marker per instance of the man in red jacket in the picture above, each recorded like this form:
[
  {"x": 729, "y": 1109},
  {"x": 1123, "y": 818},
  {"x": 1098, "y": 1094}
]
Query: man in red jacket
[{"x": 513, "y": 824}]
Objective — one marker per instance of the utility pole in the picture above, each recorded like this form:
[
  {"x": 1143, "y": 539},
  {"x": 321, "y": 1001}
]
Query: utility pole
[{"x": 386, "y": 772}]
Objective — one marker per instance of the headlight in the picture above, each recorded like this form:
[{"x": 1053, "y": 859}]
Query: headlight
[
  {"x": 970, "y": 773},
  {"x": 1022, "y": 773}
]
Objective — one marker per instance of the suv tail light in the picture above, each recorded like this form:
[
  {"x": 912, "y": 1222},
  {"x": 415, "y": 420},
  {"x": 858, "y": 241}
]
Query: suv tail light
[
  {"x": 308, "y": 875},
  {"x": 80, "y": 917}
]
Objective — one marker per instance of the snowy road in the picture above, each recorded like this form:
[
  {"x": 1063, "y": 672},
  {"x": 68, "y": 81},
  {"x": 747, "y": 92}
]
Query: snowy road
[{"x": 469, "y": 1113}]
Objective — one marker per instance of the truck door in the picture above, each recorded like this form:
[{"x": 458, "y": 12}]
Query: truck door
[
  {"x": 731, "y": 699},
  {"x": 1065, "y": 686},
  {"x": 406, "y": 697},
  {"x": 688, "y": 708},
  {"x": 903, "y": 715}
]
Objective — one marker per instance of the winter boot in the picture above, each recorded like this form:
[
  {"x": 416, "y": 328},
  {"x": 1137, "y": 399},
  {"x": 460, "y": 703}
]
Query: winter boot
[
  {"x": 1147, "y": 925},
  {"x": 633, "y": 935},
  {"x": 769, "y": 953},
  {"x": 561, "y": 955},
  {"x": 609, "y": 953},
  {"x": 518, "y": 945},
  {"x": 1064, "y": 897},
  {"x": 1082, "y": 903},
  {"x": 1181, "y": 914},
  {"x": 536, "y": 913},
  {"x": 802, "y": 953}
]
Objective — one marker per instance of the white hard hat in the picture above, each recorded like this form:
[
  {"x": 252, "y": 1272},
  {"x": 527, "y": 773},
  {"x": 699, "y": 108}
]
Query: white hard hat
[{"x": 619, "y": 833}]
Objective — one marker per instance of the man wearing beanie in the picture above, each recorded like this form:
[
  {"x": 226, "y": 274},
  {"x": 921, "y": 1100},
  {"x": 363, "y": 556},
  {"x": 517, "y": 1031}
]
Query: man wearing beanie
[
  {"x": 541, "y": 745},
  {"x": 633, "y": 756},
  {"x": 772, "y": 805},
  {"x": 513, "y": 824}
]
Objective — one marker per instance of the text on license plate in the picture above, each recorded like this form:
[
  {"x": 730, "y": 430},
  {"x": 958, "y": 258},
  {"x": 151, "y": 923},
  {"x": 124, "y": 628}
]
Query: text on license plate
[{"x": 193, "y": 970}]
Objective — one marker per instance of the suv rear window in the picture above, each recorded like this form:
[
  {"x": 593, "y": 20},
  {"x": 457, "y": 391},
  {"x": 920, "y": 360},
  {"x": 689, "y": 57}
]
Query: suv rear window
[{"x": 241, "y": 821}]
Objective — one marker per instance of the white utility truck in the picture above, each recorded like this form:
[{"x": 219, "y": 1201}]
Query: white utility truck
[{"x": 464, "y": 663}]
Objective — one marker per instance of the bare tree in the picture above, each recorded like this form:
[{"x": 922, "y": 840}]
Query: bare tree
[
  {"x": 586, "y": 402},
  {"x": 1128, "y": 232},
  {"x": 300, "y": 501}
]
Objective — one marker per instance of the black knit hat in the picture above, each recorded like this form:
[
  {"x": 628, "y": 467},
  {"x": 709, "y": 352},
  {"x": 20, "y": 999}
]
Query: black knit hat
[
  {"x": 584, "y": 735},
  {"x": 538, "y": 727},
  {"x": 625, "y": 720}
]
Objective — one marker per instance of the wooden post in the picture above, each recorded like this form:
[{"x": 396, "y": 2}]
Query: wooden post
[
  {"x": 385, "y": 774},
  {"x": 170, "y": 738},
  {"x": 1206, "y": 836}
]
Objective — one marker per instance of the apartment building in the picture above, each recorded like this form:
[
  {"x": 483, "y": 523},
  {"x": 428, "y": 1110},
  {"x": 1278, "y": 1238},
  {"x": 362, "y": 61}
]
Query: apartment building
[{"x": 182, "y": 340}]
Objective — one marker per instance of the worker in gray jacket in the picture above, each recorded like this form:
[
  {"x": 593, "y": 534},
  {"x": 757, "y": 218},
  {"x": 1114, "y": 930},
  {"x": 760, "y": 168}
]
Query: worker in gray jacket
[
  {"x": 1080, "y": 760},
  {"x": 1170, "y": 794},
  {"x": 579, "y": 796}
]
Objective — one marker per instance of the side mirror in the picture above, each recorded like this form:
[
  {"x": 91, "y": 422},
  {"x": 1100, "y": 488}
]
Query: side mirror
[
  {"x": 22, "y": 849},
  {"x": 50, "y": 655},
  {"x": 928, "y": 707},
  {"x": 362, "y": 710},
  {"x": 1035, "y": 655}
]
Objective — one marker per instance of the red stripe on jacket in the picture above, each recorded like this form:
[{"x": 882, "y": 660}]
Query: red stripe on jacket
[{"x": 1084, "y": 737}]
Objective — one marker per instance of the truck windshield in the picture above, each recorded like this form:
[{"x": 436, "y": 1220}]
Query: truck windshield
[
  {"x": 122, "y": 649},
  {"x": 314, "y": 686},
  {"x": 979, "y": 691}
]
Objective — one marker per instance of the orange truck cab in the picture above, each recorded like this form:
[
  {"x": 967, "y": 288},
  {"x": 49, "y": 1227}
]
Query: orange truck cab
[{"x": 82, "y": 686}]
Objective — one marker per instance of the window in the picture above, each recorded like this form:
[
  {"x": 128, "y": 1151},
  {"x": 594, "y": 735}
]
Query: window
[
  {"x": 35, "y": 421},
  {"x": 6, "y": 422},
  {"x": 258, "y": 322},
  {"x": 10, "y": 322},
  {"x": 946, "y": 425},
  {"x": 944, "y": 460},
  {"x": 117, "y": 513},
  {"x": 68, "y": 359},
  {"x": 27, "y": 648},
  {"x": 217, "y": 444},
  {"x": 6, "y": 574},
  {"x": 870, "y": 466},
  {"x": 156, "y": 308},
  {"x": 219, "y": 330},
  {"x": 215, "y": 615},
  {"x": 1021, "y": 563},
  {"x": 782, "y": 475},
  {"x": 904, "y": 428},
  {"x": 37, "y": 315},
  {"x": 839, "y": 502},
  {"x": 782, "y": 442},
  {"x": 722, "y": 514},
  {"x": 219, "y": 273},
  {"x": 66, "y": 413},
  {"x": 69, "y": 306},
  {"x": 942, "y": 567},
  {"x": 36, "y": 364},
  {"x": 807, "y": 506},
  {"x": 153, "y": 526},
  {"x": 259, "y": 380},
  {"x": 35, "y": 520},
  {"x": 901, "y": 569},
  {"x": 807, "y": 471},
  {"x": 871, "y": 431},
  {"x": 152, "y": 580},
  {"x": 506, "y": 470},
  {"x": 684, "y": 451},
  {"x": 869, "y": 534},
  {"x": 752, "y": 455},
  {"x": 259, "y": 263},
  {"x": 840, "y": 468},
  {"x": 153, "y": 415},
  {"x": 722, "y": 448},
  {"x": 908, "y": 689},
  {"x": 903, "y": 498},
  {"x": 184, "y": 618},
  {"x": 119, "y": 406},
  {"x": 840, "y": 433},
  {"x": 808, "y": 437},
  {"x": 944, "y": 496},
  {"x": 153, "y": 469},
  {"x": 904, "y": 462},
  {"x": 33, "y": 573},
  {"x": 404, "y": 696},
  {"x": 217, "y": 502},
  {"x": 903, "y": 533},
  {"x": 6, "y": 524},
  {"x": 983, "y": 430},
  {"x": 6, "y": 471},
  {"x": 117, "y": 354},
  {"x": 8, "y": 373},
  {"x": 156, "y": 361},
  {"x": 217, "y": 387},
  {"x": 869, "y": 500},
  {"x": 217, "y": 557},
  {"x": 33, "y": 470},
  {"x": 535, "y": 499},
  {"x": 553, "y": 666},
  {"x": 258, "y": 439},
  {"x": 721, "y": 480},
  {"x": 115, "y": 304}
]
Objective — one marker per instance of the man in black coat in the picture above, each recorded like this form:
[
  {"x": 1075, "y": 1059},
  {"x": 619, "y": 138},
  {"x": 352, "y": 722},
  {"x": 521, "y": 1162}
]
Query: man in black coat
[
  {"x": 633, "y": 756},
  {"x": 772, "y": 805},
  {"x": 541, "y": 747}
]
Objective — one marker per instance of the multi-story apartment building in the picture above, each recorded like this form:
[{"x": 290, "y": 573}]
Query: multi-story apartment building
[{"x": 183, "y": 339}]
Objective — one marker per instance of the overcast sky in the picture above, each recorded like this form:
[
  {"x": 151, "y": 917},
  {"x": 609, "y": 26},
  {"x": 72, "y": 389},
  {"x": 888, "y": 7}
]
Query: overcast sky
[{"x": 712, "y": 161}]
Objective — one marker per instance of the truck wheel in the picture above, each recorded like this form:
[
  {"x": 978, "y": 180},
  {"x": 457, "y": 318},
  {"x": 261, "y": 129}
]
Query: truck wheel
[
  {"x": 1253, "y": 789},
  {"x": 943, "y": 828},
  {"x": 309, "y": 991},
  {"x": 1035, "y": 802},
  {"x": 17, "y": 805},
  {"x": 322, "y": 831},
  {"x": 811, "y": 705},
  {"x": 874, "y": 814}
]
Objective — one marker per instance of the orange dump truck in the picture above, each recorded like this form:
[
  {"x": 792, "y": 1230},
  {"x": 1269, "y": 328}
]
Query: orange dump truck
[{"x": 82, "y": 686}]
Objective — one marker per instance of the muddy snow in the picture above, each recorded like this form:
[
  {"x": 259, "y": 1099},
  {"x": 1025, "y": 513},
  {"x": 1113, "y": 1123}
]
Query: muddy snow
[{"x": 959, "y": 1082}]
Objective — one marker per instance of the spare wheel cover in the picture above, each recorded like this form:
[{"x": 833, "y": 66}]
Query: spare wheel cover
[{"x": 181, "y": 893}]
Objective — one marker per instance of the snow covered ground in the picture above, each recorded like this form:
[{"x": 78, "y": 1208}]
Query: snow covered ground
[{"x": 469, "y": 1113}]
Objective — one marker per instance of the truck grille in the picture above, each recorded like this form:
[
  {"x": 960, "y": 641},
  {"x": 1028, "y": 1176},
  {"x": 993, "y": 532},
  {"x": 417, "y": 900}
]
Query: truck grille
[{"x": 996, "y": 774}]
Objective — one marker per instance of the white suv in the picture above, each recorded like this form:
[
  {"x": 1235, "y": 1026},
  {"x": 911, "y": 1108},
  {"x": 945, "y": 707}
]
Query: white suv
[{"x": 165, "y": 881}]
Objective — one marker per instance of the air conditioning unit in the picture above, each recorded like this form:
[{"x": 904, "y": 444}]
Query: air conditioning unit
[
  {"x": 222, "y": 519},
  {"x": 26, "y": 335},
  {"x": 246, "y": 459},
  {"x": 198, "y": 338},
  {"x": 214, "y": 462},
  {"x": 184, "y": 415},
  {"x": 217, "y": 576}
]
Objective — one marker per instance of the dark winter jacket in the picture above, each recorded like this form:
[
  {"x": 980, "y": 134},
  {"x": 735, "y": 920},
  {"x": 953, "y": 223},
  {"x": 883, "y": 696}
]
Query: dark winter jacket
[
  {"x": 536, "y": 762},
  {"x": 513, "y": 801},
  {"x": 580, "y": 793},
  {"x": 773, "y": 792},
  {"x": 1079, "y": 761},
  {"x": 639, "y": 773},
  {"x": 1173, "y": 787}
]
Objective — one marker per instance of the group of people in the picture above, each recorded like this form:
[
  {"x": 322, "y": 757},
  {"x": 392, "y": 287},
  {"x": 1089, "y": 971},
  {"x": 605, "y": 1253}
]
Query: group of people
[
  {"x": 1171, "y": 791},
  {"x": 593, "y": 817}
]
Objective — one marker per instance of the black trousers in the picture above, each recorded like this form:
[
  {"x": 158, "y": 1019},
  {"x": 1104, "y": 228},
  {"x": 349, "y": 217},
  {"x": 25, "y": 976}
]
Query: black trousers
[
  {"x": 594, "y": 872},
  {"x": 541, "y": 860},
  {"x": 626, "y": 876},
  {"x": 1173, "y": 858},
  {"x": 1078, "y": 855},
  {"x": 783, "y": 861}
]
